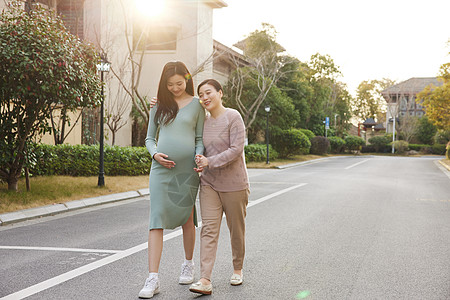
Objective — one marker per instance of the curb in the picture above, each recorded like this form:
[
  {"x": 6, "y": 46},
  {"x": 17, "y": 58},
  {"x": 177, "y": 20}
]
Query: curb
[
  {"x": 444, "y": 165},
  {"x": 50, "y": 210}
]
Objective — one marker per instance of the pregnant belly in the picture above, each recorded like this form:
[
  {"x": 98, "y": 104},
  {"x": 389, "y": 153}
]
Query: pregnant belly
[{"x": 180, "y": 149}]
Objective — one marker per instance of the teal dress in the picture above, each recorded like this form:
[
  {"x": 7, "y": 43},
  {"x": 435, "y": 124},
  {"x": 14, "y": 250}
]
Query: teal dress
[{"x": 173, "y": 191}]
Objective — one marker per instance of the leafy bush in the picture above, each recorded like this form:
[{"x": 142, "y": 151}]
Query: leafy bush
[
  {"x": 336, "y": 144},
  {"x": 258, "y": 152},
  {"x": 379, "y": 143},
  {"x": 353, "y": 143},
  {"x": 400, "y": 146},
  {"x": 418, "y": 147},
  {"x": 308, "y": 133},
  {"x": 448, "y": 151},
  {"x": 291, "y": 142},
  {"x": 426, "y": 131},
  {"x": 83, "y": 160},
  {"x": 368, "y": 149},
  {"x": 319, "y": 145},
  {"x": 438, "y": 149}
]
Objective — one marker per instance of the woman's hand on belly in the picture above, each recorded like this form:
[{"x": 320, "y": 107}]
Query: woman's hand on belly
[{"x": 163, "y": 161}]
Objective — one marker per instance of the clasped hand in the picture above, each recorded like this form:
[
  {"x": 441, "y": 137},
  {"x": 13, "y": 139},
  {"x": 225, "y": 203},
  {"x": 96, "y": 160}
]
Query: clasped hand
[{"x": 201, "y": 162}]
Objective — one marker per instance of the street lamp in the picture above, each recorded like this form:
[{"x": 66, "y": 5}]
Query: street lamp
[
  {"x": 267, "y": 109},
  {"x": 102, "y": 67}
]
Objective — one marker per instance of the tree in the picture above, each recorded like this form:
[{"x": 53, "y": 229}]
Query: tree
[
  {"x": 266, "y": 68},
  {"x": 425, "y": 130},
  {"x": 42, "y": 67},
  {"x": 436, "y": 100},
  {"x": 369, "y": 102}
]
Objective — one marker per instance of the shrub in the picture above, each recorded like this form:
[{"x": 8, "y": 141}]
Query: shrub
[
  {"x": 368, "y": 149},
  {"x": 319, "y": 145},
  {"x": 448, "y": 151},
  {"x": 353, "y": 143},
  {"x": 400, "y": 146},
  {"x": 336, "y": 144},
  {"x": 291, "y": 142},
  {"x": 83, "y": 160},
  {"x": 308, "y": 133},
  {"x": 418, "y": 147},
  {"x": 426, "y": 131},
  {"x": 379, "y": 143},
  {"x": 438, "y": 149},
  {"x": 258, "y": 152}
]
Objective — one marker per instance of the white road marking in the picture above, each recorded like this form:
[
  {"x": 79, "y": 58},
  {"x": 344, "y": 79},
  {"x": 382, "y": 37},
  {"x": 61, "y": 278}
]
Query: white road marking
[
  {"x": 39, "y": 287},
  {"x": 58, "y": 249},
  {"x": 358, "y": 163}
]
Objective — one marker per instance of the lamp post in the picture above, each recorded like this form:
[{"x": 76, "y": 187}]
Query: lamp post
[
  {"x": 267, "y": 109},
  {"x": 102, "y": 67}
]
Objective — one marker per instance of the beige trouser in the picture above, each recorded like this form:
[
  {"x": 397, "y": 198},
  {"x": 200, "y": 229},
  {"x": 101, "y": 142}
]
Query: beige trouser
[{"x": 212, "y": 205}]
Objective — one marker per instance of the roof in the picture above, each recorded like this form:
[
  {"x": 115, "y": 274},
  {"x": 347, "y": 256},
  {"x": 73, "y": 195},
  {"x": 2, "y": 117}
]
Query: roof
[
  {"x": 411, "y": 86},
  {"x": 369, "y": 122}
]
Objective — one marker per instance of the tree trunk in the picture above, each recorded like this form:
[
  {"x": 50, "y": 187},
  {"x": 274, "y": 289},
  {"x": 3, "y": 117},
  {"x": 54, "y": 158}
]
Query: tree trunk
[{"x": 12, "y": 184}]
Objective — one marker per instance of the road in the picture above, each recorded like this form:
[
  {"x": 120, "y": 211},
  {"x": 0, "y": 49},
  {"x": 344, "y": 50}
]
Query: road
[{"x": 359, "y": 227}]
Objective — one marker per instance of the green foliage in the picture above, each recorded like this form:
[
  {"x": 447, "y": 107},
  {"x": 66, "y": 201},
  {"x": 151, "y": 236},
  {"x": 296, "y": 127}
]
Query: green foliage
[
  {"x": 447, "y": 153},
  {"x": 436, "y": 100},
  {"x": 336, "y": 144},
  {"x": 426, "y": 131},
  {"x": 290, "y": 142},
  {"x": 353, "y": 143},
  {"x": 308, "y": 133},
  {"x": 83, "y": 160},
  {"x": 442, "y": 136},
  {"x": 319, "y": 145},
  {"x": 419, "y": 147},
  {"x": 438, "y": 149},
  {"x": 401, "y": 146},
  {"x": 42, "y": 66},
  {"x": 258, "y": 152},
  {"x": 379, "y": 143}
]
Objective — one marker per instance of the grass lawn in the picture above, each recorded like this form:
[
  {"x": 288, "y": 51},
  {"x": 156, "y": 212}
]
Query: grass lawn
[{"x": 47, "y": 190}]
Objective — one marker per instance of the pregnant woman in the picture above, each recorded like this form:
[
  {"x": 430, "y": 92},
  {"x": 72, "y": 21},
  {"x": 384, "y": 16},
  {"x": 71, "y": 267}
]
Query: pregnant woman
[{"x": 173, "y": 181}]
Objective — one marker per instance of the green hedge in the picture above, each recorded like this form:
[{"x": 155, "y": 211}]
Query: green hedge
[
  {"x": 291, "y": 142},
  {"x": 336, "y": 144},
  {"x": 353, "y": 142},
  {"x": 428, "y": 149},
  {"x": 380, "y": 143},
  {"x": 258, "y": 152},
  {"x": 83, "y": 160},
  {"x": 319, "y": 145},
  {"x": 308, "y": 133}
]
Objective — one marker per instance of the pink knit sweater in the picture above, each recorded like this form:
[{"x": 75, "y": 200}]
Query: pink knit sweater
[{"x": 224, "y": 140}]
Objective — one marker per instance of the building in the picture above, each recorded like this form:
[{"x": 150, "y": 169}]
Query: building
[
  {"x": 401, "y": 99},
  {"x": 138, "y": 46}
]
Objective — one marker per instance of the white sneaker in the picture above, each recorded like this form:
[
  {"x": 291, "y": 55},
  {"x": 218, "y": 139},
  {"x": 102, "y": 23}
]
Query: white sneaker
[
  {"x": 187, "y": 274},
  {"x": 151, "y": 287}
]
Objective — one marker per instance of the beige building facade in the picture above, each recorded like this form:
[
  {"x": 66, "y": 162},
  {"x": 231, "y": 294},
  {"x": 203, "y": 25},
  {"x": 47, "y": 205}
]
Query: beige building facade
[{"x": 181, "y": 31}]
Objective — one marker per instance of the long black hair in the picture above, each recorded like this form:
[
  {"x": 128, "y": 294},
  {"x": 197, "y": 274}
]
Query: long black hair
[{"x": 167, "y": 106}]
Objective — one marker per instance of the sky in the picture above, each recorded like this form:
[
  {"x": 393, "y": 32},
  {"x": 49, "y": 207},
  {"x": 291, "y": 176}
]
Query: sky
[{"x": 367, "y": 40}]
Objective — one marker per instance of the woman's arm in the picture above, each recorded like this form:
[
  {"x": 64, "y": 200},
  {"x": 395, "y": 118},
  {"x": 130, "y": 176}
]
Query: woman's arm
[
  {"x": 150, "y": 140},
  {"x": 199, "y": 148},
  {"x": 236, "y": 147}
]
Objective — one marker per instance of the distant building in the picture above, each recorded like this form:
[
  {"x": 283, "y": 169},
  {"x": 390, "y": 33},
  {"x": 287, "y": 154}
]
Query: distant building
[{"x": 401, "y": 99}]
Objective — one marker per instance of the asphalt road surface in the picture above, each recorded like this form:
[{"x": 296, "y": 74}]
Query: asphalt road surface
[{"x": 362, "y": 227}]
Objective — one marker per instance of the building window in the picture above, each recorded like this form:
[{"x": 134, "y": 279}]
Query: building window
[{"x": 156, "y": 38}]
